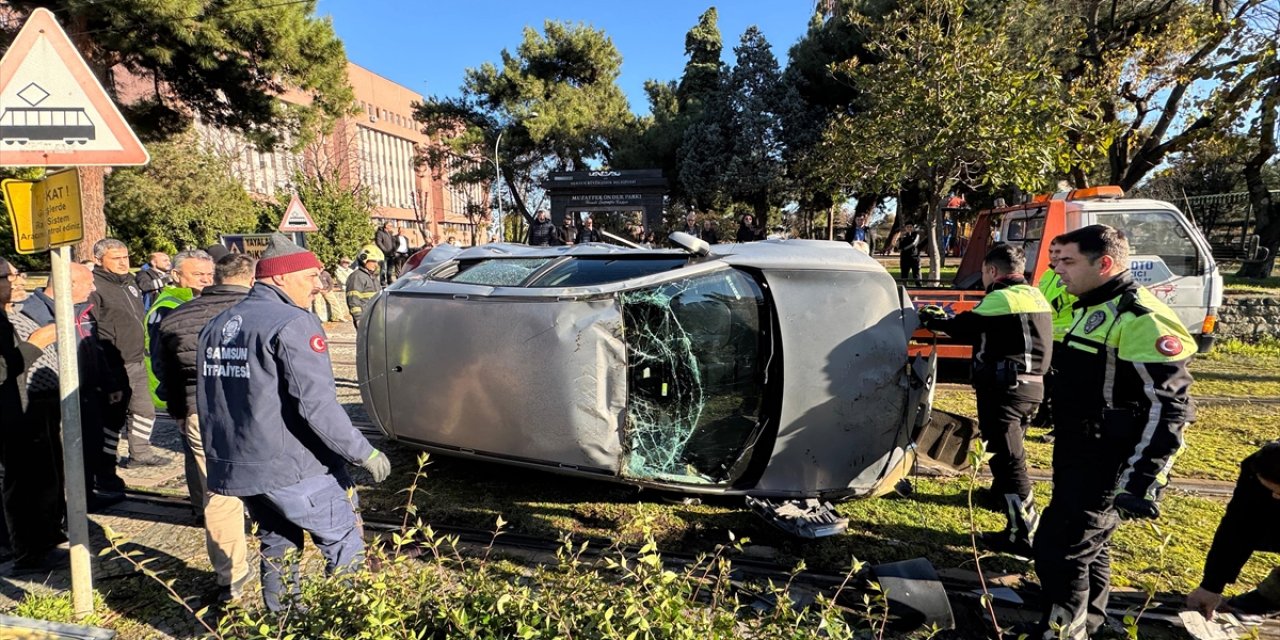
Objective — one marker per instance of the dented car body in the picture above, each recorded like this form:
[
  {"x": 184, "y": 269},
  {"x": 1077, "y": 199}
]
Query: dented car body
[{"x": 774, "y": 369}]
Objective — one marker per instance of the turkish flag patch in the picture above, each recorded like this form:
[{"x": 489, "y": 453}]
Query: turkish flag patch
[
  {"x": 318, "y": 344},
  {"x": 1169, "y": 345}
]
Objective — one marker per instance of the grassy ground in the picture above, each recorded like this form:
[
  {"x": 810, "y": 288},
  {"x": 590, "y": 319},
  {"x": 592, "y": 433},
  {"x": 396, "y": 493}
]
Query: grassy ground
[
  {"x": 932, "y": 523},
  {"x": 948, "y": 272},
  {"x": 1248, "y": 285}
]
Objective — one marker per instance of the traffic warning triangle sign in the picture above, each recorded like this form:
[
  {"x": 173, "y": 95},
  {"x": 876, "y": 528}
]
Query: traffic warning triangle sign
[
  {"x": 297, "y": 218},
  {"x": 53, "y": 109}
]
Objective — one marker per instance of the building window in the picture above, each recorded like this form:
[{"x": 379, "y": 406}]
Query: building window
[{"x": 385, "y": 159}]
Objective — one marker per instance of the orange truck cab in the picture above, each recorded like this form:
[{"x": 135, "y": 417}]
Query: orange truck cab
[{"x": 1168, "y": 255}]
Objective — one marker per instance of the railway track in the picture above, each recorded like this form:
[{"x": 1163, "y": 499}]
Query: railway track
[{"x": 963, "y": 589}]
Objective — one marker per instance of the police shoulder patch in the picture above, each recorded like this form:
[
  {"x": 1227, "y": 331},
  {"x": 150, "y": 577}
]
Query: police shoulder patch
[
  {"x": 1169, "y": 345},
  {"x": 1095, "y": 320},
  {"x": 318, "y": 344}
]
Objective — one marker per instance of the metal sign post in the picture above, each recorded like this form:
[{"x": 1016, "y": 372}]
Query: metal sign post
[{"x": 72, "y": 436}]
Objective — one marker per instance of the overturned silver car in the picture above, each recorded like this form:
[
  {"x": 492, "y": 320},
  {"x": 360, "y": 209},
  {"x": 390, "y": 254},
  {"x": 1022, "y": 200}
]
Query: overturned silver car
[{"x": 774, "y": 369}]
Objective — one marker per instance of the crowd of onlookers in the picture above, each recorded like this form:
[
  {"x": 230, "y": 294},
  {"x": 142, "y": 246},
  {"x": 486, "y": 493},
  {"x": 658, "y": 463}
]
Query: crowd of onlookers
[{"x": 143, "y": 344}]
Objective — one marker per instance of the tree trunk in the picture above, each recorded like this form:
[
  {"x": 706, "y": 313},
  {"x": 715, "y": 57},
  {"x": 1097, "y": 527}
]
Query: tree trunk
[
  {"x": 934, "y": 226},
  {"x": 1266, "y": 207},
  {"x": 518, "y": 198},
  {"x": 761, "y": 209},
  {"x": 92, "y": 179},
  {"x": 92, "y": 204}
]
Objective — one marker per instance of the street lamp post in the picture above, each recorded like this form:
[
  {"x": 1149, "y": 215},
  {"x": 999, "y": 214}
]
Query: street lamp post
[
  {"x": 497, "y": 180},
  {"x": 497, "y": 188}
]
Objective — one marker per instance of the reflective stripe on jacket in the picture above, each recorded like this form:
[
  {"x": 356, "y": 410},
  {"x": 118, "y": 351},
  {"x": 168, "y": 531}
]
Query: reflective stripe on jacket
[
  {"x": 1011, "y": 331},
  {"x": 169, "y": 299},
  {"x": 362, "y": 286}
]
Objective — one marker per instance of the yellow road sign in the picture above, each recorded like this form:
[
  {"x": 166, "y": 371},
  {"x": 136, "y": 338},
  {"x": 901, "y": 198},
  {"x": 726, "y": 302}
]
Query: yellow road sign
[{"x": 44, "y": 213}]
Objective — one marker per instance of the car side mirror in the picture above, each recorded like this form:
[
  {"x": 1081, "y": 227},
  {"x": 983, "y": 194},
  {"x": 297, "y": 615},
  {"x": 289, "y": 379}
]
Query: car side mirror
[{"x": 695, "y": 246}]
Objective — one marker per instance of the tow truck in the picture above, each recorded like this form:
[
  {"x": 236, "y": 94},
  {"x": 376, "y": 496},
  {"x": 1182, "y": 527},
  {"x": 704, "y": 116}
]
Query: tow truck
[{"x": 1168, "y": 255}]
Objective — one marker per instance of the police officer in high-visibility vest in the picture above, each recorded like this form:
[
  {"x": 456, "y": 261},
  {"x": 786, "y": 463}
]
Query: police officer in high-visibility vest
[
  {"x": 1011, "y": 331},
  {"x": 1120, "y": 404},
  {"x": 1061, "y": 300},
  {"x": 192, "y": 272}
]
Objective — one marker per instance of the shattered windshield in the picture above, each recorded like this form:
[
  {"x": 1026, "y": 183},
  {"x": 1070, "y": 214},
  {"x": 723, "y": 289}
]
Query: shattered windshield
[
  {"x": 696, "y": 358},
  {"x": 571, "y": 272},
  {"x": 507, "y": 272}
]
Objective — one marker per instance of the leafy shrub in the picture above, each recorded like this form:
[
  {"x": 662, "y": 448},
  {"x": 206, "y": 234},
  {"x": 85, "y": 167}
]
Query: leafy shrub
[
  {"x": 617, "y": 595},
  {"x": 56, "y": 607},
  {"x": 446, "y": 593}
]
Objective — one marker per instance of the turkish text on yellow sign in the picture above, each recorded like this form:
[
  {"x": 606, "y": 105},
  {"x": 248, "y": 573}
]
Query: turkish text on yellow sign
[{"x": 44, "y": 213}]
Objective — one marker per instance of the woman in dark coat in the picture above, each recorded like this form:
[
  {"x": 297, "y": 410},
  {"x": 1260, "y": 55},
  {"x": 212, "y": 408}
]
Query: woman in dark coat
[{"x": 747, "y": 231}]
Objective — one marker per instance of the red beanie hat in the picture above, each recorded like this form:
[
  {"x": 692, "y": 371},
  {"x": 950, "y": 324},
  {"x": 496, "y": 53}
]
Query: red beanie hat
[{"x": 283, "y": 256}]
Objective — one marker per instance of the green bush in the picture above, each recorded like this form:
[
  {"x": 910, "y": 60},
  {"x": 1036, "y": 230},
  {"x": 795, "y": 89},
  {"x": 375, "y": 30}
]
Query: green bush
[
  {"x": 445, "y": 594},
  {"x": 1263, "y": 347}
]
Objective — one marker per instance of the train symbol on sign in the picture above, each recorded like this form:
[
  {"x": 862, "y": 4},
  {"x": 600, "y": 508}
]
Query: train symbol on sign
[
  {"x": 68, "y": 124},
  {"x": 23, "y": 124}
]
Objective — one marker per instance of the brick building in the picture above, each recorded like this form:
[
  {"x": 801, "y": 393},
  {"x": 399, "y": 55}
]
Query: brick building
[{"x": 375, "y": 148}]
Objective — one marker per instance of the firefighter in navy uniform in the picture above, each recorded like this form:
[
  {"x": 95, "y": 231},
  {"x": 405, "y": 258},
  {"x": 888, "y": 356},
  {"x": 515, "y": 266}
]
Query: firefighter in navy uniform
[
  {"x": 1012, "y": 332},
  {"x": 1121, "y": 400},
  {"x": 274, "y": 434}
]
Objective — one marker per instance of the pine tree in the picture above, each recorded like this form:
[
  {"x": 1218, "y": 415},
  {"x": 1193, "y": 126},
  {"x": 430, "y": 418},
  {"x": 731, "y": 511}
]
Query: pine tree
[
  {"x": 702, "y": 72},
  {"x": 753, "y": 173}
]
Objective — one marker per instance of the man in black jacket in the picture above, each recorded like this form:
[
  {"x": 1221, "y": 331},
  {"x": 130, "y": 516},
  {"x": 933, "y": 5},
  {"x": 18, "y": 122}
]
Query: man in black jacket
[
  {"x": 909, "y": 253},
  {"x": 543, "y": 232},
  {"x": 119, "y": 314},
  {"x": 101, "y": 386},
  {"x": 385, "y": 240},
  {"x": 1256, "y": 501},
  {"x": 153, "y": 277},
  {"x": 1011, "y": 331},
  {"x": 32, "y": 496},
  {"x": 588, "y": 233},
  {"x": 174, "y": 359}
]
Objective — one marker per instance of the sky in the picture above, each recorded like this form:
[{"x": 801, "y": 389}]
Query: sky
[{"x": 426, "y": 45}]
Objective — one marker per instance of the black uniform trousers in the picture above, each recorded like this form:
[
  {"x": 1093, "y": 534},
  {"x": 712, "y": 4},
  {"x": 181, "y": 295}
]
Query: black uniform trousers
[
  {"x": 100, "y": 463},
  {"x": 34, "y": 506},
  {"x": 1003, "y": 415},
  {"x": 1072, "y": 548},
  {"x": 910, "y": 267}
]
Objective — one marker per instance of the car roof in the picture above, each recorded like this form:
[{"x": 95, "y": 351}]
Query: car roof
[{"x": 765, "y": 254}]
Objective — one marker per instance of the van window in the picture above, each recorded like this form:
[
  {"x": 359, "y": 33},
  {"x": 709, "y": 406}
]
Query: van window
[
  {"x": 1025, "y": 229},
  {"x": 1157, "y": 233},
  {"x": 695, "y": 370}
]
